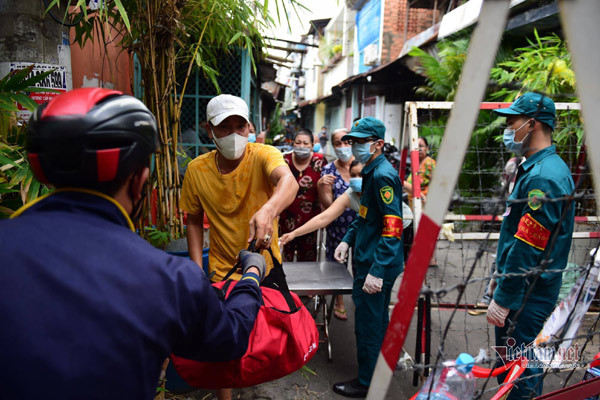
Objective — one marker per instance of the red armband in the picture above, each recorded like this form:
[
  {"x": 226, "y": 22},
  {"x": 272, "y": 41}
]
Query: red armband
[
  {"x": 532, "y": 232},
  {"x": 392, "y": 226}
]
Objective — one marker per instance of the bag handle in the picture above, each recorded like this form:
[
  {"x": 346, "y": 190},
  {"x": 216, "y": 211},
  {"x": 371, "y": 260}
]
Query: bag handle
[
  {"x": 275, "y": 280},
  {"x": 238, "y": 264}
]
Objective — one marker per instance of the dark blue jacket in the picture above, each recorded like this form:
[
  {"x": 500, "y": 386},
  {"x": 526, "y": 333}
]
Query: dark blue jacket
[{"x": 90, "y": 310}]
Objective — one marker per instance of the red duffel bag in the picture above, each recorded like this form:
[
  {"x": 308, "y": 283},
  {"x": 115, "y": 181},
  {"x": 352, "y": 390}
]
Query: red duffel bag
[{"x": 283, "y": 339}]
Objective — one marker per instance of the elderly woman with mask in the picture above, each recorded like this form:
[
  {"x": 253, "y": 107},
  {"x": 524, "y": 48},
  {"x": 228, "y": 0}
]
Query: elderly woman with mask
[
  {"x": 306, "y": 167},
  {"x": 334, "y": 182}
]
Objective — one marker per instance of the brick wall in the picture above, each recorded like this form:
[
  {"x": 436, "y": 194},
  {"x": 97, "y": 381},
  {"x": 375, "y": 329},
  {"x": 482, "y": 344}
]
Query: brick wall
[{"x": 394, "y": 19}]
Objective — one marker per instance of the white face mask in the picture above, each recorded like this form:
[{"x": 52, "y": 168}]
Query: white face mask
[
  {"x": 231, "y": 146},
  {"x": 343, "y": 153},
  {"x": 302, "y": 152}
]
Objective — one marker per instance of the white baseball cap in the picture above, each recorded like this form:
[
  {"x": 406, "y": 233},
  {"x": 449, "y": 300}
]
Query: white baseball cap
[{"x": 225, "y": 105}]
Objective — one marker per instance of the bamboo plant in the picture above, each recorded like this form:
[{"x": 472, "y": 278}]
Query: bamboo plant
[{"x": 166, "y": 36}]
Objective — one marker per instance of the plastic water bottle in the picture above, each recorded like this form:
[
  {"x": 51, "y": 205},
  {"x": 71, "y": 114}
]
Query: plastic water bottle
[{"x": 452, "y": 381}]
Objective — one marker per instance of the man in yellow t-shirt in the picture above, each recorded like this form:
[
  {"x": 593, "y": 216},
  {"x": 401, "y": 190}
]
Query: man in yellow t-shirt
[{"x": 242, "y": 187}]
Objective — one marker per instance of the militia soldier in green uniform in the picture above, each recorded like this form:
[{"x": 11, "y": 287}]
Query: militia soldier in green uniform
[
  {"x": 378, "y": 257},
  {"x": 527, "y": 231}
]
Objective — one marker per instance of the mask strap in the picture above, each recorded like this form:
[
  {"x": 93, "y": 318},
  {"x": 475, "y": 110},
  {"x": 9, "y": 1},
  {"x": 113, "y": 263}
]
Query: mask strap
[
  {"x": 528, "y": 131},
  {"x": 525, "y": 138},
  {"x": 374, "y": 143},
  {"x": 214, "y": 139},
  {"x": 525, "y": 123}
]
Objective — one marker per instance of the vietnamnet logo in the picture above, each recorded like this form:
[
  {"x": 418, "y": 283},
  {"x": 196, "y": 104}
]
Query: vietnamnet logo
[{"x": 539, "y": 357}]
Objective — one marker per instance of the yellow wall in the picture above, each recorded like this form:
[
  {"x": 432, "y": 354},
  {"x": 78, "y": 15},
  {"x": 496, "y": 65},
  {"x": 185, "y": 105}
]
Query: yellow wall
[{"x": 319, "y": 119}]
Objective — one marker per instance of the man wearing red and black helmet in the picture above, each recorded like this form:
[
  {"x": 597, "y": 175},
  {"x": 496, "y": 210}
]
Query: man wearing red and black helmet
[{"x": 90, "y": 309}]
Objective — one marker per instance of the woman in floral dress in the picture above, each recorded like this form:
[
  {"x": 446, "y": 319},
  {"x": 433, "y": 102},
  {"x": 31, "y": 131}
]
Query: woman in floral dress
[
  {"x": 334, "y": 181},
  {"x": 306, "y": 167}
]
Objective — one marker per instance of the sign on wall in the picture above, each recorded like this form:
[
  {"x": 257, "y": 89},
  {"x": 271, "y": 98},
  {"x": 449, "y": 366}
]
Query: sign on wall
[
  {"x": 368, "y": 29},
  {"x": 368, "y": 23},
  {"x": 57, "y": 80}
]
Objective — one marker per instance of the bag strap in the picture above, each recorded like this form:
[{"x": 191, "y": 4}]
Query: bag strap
[
  {"x": 252, "y": 248},
  {"x": 222, "y": 292},
  {"x": 275, "y": 280},
  {"x": 238, "y": 264}
]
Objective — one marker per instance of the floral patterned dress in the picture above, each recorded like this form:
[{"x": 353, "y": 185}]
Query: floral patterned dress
[
  {"x": 337, "y": 229},
  {"x": 302, "y": 210}
]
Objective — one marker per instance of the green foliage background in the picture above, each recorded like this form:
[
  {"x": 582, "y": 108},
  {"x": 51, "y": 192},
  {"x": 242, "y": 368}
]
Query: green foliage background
[{"x": 542, "y": 65}]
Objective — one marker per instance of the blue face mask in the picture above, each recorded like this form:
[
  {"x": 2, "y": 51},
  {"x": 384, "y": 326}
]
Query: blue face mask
[
  {"x": 317, "y": 147},
  {"x": 343, "y": 153},
  {"x": 356, "y": 184},
  {"x": 509, "y": 140},
  {"x": 252, "y": 138},
  {"x": 362, "y": 152}
]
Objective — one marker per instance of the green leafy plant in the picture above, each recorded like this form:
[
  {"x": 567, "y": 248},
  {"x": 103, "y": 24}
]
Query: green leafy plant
[
  {"x": 544, "y": 66},
  {"x": 17, "y": 182},
  {"x": 443, "y": 67},
  {"x": 442, "y": 70},
  {"x": 156, "y": 237},
  {"x": 306, "y": 372},
  {"x": 275, "y": 125}
]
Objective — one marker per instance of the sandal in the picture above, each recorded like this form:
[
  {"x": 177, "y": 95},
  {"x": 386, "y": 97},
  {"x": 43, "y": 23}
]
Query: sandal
[
  {"x": 476, "y": 311},
  {"x": 340, "y": 314}
]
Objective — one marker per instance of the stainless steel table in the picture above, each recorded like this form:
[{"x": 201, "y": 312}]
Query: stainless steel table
[{"x": 319, "y": 279}]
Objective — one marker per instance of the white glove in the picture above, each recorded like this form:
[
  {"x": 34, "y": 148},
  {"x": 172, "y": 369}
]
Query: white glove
[
  {"x": 447, "y": 230},
  {"x": 341, "y": 252},
  {"x": 496, "y": 314},
  {"x": 372, "y": 284}
]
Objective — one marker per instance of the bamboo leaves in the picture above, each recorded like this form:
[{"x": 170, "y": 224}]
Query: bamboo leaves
[
  {"x": 544, "y": 65},
  {"x": 442, "y": 71},
  {"x": 235, "y": 37},
  {"x": 123, "y": 14},
  {"x": 16, "y": 178}
]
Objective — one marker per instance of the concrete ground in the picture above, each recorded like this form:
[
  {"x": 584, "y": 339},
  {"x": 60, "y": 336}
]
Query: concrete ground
[{"x": 467, "y": 333}]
